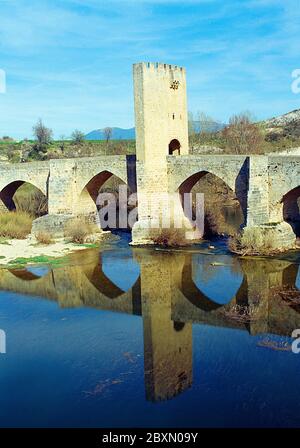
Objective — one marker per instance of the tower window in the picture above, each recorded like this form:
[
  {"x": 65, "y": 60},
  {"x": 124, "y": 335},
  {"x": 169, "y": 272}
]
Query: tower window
[
  {"x": 174, "y": 147},
  {"x": 173, "y": 116}
]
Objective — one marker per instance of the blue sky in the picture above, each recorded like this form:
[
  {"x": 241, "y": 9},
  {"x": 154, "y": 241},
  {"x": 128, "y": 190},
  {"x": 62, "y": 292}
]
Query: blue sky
[{"x": 69, "y": 61}]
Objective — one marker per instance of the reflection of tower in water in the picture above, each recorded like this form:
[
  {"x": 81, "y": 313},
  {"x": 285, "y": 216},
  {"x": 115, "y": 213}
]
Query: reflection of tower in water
[{"x": 167, "y": 343}]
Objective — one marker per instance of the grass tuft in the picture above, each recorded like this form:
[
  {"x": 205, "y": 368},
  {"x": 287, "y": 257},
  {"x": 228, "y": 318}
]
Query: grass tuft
[
  {"x": 44, "y": 238},
  {"x": 168, "y": 237},
  {"x": 15, "y": 225},
  {"x": 78, "y": 229}
]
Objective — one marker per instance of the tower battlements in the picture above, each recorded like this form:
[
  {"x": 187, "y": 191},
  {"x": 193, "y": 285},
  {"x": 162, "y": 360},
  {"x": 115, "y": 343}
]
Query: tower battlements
[{"x": 160, "y": 66}]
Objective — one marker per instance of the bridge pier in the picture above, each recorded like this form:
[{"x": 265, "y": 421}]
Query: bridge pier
[{"x": 260, "y": 213}]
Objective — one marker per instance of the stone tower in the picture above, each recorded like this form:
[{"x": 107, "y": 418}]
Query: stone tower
[
  {"x": 161, "y": 132},
  {"x": 160, "y": 111}
]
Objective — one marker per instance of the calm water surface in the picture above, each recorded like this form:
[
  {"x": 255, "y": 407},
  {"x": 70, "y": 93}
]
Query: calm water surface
[{"x": 143, "y": 337}]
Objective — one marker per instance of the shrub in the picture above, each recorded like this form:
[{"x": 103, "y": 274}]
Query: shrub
[
  {"x": 43, "y": 238},
  {"x": 78, "y": 229},
  {"x": 15, "y": 224},
  {"x": 168, "y": 237}
]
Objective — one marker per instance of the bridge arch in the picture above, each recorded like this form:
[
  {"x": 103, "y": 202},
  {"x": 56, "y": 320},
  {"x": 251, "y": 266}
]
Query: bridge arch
[
  {"x": 106, "y": 181},
  {"x": 30, "y": 273},
  {"x": 214, "y": 184},
  {"x": 24, "y": 195},
  {"x": 290, "y": 203}
]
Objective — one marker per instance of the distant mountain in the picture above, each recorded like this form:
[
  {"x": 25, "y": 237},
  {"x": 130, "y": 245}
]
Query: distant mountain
[
  {"x": 284, "y": 120},
  {"x": 211, "y": 126},
  {"x": 117, "y": 134}
]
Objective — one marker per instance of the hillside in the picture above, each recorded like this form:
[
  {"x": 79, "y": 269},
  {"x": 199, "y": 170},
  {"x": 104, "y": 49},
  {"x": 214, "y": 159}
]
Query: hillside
[{"x": 283, "y": 120}]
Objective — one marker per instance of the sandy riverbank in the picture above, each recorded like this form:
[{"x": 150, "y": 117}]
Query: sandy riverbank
[{"x": 28, "y": 248}]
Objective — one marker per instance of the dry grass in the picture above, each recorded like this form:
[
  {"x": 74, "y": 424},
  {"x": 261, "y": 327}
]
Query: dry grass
[
  {"x": 78, "y": 229},
  {"x": 241, "y": 313},
  {"x": 290, "y": 295},
  {"x": 168, "y": 237},
  {"x": 30, "y": 200},
  {"x": 43, "y": 238},
  {"x": 15, "y": 225}
]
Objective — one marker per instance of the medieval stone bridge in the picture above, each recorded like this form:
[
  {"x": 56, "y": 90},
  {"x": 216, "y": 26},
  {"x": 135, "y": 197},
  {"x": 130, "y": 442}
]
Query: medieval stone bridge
[{"x": 267, "y": 187}]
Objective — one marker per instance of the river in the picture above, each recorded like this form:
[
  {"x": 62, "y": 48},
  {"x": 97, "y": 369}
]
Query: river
[{"x": 148, "y": 337}]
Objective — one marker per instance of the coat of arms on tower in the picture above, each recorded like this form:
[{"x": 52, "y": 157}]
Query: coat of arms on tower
[{"x": 174, "y": 85}]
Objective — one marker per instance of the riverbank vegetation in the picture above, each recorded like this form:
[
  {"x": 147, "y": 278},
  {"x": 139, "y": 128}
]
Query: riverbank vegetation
[
  {"x": 44, "y": 238},
  {"x": 169, "y": 237},
  {"x": 254, "y": 241},
  {"x": 15, "y": 225},
  {"x": 79, "y": 229},
  {"x": 242, "y": 135}
]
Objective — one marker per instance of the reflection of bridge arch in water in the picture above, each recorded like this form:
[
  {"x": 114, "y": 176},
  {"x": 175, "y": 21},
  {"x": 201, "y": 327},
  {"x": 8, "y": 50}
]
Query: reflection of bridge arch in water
[
  {"x": 201, "y": 300},
  {"x": 28, "y": 274},
  {"x": 104, "y": 284}
]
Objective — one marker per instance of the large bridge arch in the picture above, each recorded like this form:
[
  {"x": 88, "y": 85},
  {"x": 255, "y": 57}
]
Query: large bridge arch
[
  {"x": 88, "y": 172},
  {"x": 88, "y": 198},
  {"x": 232, "y": 171},
  {"x": 89, "y": 193}
]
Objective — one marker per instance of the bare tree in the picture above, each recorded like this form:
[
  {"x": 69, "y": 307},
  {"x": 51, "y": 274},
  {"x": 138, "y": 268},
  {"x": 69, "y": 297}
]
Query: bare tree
[
  {"x": 62, "y": 142},
  {"x": 208, "y": 128},
  {"x": 191, "y": 124},
  {"x": 77, "y": 136},
  {"x": 43, "y": 136},
  {"x": 242, "y": 135},
  {"x": 107, "y": 134}
]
